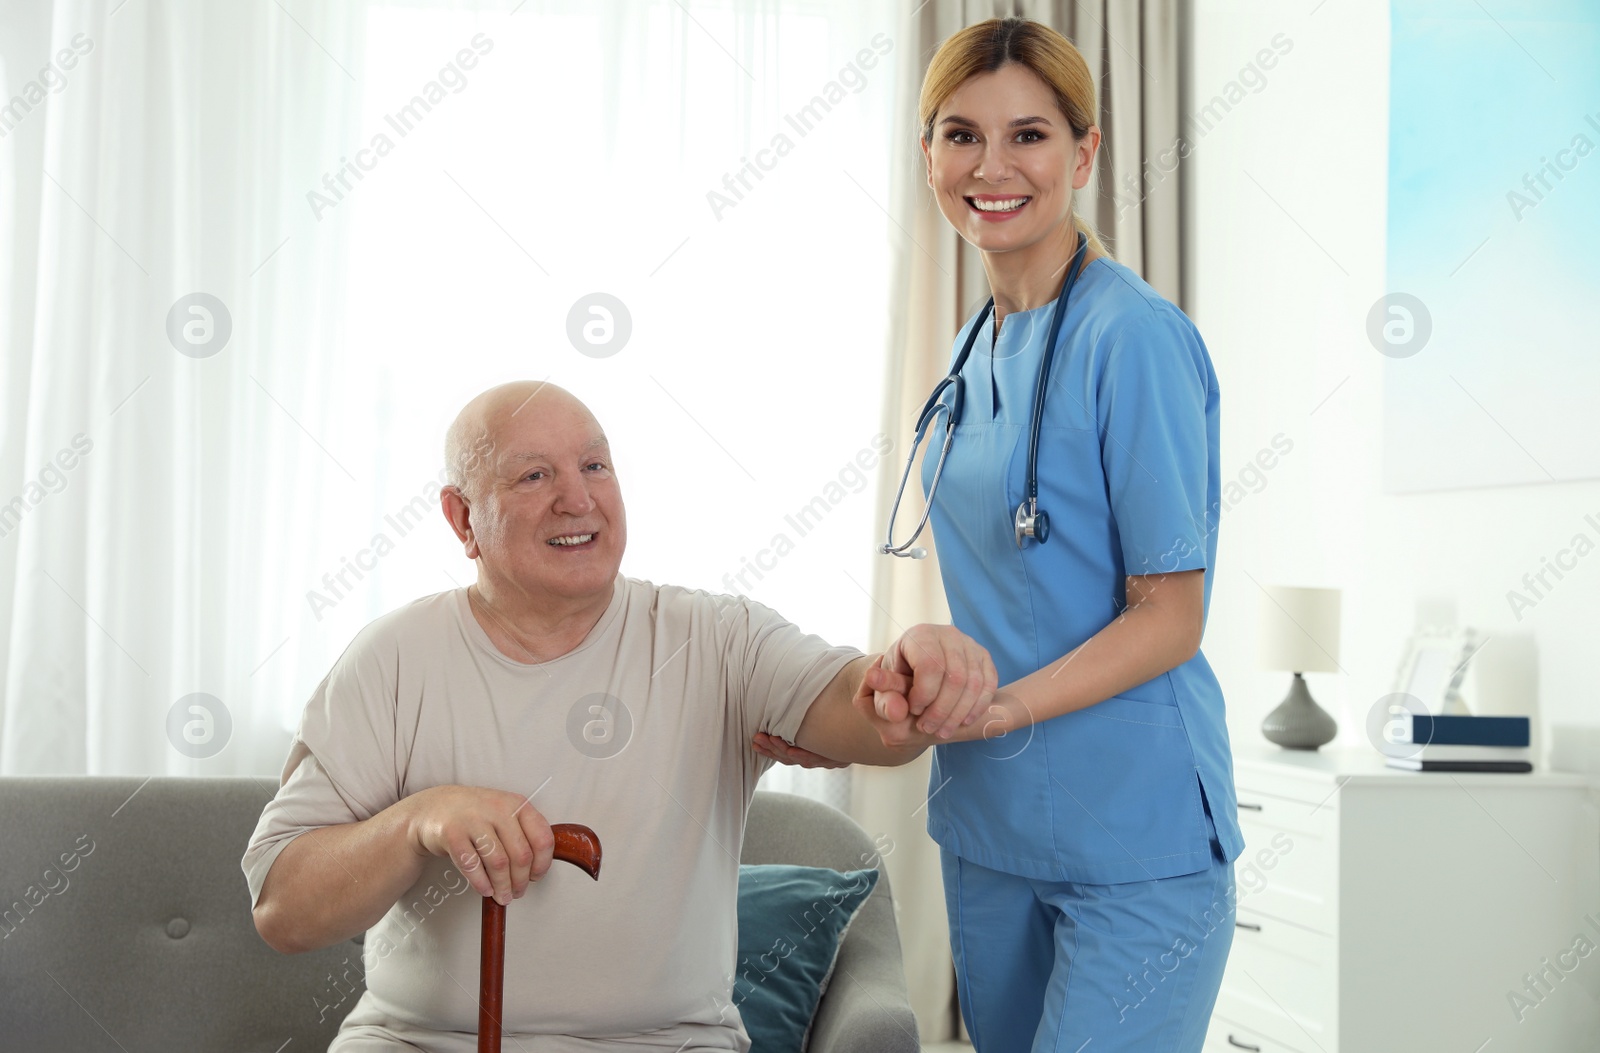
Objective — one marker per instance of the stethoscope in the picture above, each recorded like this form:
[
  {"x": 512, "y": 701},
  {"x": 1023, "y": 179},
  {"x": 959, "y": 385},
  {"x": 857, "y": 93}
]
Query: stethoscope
[{"x": 1029, "y": 521}]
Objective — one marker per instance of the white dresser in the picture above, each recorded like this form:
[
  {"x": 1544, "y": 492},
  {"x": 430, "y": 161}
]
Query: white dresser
[{"x": 1383, "y": 911}]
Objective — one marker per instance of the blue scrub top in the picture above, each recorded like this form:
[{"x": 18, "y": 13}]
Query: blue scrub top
[{"x": 1128, "y": 471}]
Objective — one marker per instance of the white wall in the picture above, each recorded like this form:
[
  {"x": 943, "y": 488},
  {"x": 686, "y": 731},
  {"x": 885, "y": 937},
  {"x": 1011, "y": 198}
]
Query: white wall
[{"x": 1288, "y": 251}]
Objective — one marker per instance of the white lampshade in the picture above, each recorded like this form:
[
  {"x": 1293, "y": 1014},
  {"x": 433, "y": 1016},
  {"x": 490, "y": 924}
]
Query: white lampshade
[{"x": 1299, "y": 629}]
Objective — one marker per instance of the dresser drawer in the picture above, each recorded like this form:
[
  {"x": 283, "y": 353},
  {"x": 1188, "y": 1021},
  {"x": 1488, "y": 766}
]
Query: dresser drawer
[
  {"x": 1297, "y": 805},
  {"x": 1281, "y": 981},
  {"x": 1225, "y": 1036},
  {"x": 1288, "y": 873}
]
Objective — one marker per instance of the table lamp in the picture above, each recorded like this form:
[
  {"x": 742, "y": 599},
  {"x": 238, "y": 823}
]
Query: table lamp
[{"x": 1299, "y": 634}]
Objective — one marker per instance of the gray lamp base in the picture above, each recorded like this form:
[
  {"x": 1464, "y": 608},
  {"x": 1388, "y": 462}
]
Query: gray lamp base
[{"x": 1299, "y": 723}]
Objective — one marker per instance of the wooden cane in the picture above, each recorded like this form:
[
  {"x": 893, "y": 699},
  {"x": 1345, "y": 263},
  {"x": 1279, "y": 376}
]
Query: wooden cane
[{"x": 575, "y": 844}]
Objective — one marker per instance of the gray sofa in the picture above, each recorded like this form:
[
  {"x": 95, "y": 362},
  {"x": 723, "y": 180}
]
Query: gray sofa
[{"x": 125, "y": 925}]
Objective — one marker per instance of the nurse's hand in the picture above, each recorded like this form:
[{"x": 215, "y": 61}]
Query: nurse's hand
[
  {"x": 953, "y": 679},
  {"x": 785, "y": 752}
]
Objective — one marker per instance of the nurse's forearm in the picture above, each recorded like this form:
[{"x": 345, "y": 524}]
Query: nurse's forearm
[{"x": 1143, "y": 642}]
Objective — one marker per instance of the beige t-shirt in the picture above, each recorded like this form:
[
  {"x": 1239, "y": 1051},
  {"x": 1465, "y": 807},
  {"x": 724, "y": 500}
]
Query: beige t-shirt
[{"x": 642, "y": 959}]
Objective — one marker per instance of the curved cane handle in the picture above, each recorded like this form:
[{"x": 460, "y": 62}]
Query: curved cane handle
[
  {"x": 575, "y": 844},
  {"x": 579, "y": 846}
]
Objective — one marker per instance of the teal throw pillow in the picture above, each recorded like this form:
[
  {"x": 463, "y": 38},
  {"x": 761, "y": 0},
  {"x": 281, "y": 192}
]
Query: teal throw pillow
[{"x": 791, "y": 922}]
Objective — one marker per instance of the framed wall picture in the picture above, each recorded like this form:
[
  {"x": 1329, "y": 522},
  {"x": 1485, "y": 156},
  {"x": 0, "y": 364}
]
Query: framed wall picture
[{"x": 1487, "y": 324}]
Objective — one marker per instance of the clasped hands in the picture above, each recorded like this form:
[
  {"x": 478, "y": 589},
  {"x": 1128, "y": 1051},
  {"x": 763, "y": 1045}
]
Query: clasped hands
[{"x": 932, "y": 685}]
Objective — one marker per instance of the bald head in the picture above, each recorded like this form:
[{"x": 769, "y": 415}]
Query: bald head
[
  {"x": 477, "y": 435},
  {"x": 534, "y": 500}
]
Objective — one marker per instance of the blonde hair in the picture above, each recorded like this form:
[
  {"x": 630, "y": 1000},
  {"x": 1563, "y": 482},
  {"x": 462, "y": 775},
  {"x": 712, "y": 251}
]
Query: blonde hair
[{"x": 985, "y": 47}]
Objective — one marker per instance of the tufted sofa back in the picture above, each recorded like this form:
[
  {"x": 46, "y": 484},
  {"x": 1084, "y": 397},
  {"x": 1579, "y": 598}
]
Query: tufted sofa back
[{"x": 125, "y": 924}]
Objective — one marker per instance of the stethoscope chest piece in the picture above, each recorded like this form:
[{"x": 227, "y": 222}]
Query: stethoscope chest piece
[{"x": 1030, "y": 522}]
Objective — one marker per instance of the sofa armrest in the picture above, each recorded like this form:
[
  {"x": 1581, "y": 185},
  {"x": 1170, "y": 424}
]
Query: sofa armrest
[
  {"x": 865, "y": 1011},
  {"x": 865, "y": 1008}
]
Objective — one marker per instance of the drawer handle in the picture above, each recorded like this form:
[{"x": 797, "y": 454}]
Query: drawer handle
[
  {"x": 1252, "y": 926},
  {"x": 1250, "y": 807},
  {"x": 1242, "y": 1045}
]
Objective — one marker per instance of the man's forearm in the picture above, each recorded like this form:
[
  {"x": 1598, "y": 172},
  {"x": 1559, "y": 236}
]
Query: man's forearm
[
  {"x": 868, "y": 748},
  {"x": 333, "y": 882},
  {"x": 833, "y": 729}
]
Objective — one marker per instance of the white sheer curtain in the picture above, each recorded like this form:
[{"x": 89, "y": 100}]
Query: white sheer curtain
[
  {"x": 163, "y": 157},
  {"x": 239, "y": 515}
]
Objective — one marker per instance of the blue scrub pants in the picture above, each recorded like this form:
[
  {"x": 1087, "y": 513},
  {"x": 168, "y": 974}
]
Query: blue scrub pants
[{"x": 1064, "y": 967}]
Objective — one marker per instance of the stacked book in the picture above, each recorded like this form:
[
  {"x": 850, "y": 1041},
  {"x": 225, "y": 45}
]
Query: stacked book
[{"x": 1461, "y": 743}]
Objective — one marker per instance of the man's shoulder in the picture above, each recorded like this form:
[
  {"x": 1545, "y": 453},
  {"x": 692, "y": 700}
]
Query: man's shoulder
[
  {"x": 683, "y": 602},
  {"x": 420, "y": 619}
]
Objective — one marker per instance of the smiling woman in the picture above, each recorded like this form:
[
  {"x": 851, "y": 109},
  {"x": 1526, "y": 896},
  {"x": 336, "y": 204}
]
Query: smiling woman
[{"x": 1092, "y": 399}]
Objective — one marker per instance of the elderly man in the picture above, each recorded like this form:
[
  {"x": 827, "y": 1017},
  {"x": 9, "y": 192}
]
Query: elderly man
[{"x": 428, "y": 759}]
